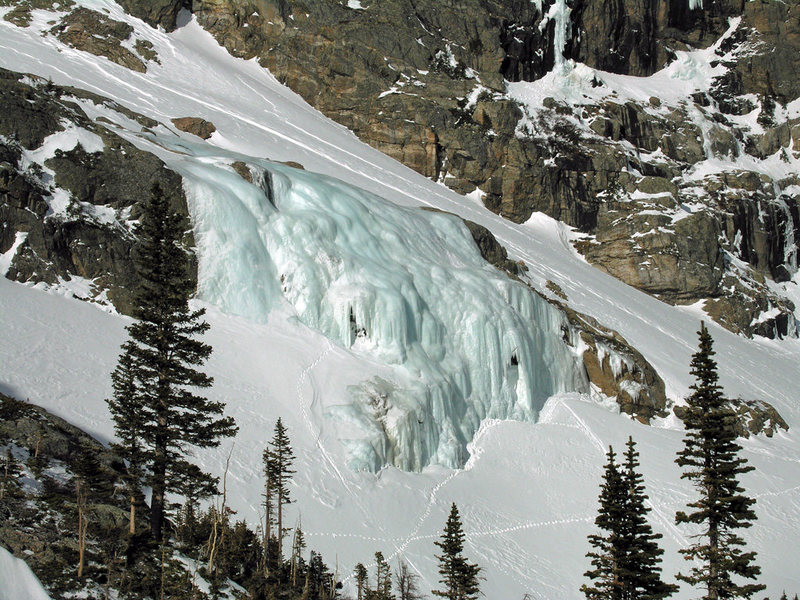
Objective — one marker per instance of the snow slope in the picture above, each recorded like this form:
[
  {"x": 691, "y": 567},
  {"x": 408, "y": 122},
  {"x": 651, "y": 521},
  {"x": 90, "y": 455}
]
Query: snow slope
[
  {"x": 18, "y": 583},
  {"x": 528, "y": 491}
]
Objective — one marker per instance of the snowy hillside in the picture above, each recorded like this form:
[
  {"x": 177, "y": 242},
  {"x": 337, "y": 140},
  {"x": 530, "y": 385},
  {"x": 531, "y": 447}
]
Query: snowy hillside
[{"x": 361, "y": 321}]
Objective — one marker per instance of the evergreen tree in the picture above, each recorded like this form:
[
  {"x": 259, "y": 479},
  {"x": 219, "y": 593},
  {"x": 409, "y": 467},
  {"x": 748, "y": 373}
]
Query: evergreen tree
[
  {"x": 164, "y": 355},
  {"x": 127, "y": 419},
  {"x": 87, "y": 468},
  {"x": 609, "y": 552},
  {"x": 383, "y": 580},
  {"x": 362, "y": 585},
  {"x": 10, "y": 473},
  {"x": 459, "y": 578},
  {"x": 269, "y": 514},
  {"x": 640, "y": 573},
  {"x": 278, "y": 459},
  {"x": 320, "y": 582},
  {"x": 296, "y": 560},
  {"x": 626, "y": 555},
  {"x": 710, "y": 461}
]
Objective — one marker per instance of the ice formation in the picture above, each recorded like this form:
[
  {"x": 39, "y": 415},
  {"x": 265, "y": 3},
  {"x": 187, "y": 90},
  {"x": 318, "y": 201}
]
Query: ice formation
[
  {"x": 408, "y": 287},
  {"x": 560, "y": 13}
]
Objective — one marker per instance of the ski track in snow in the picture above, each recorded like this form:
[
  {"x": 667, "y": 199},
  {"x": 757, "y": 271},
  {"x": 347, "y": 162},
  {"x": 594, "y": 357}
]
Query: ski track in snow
[
  {"x": 584, "y": 427},
  {"x": 305, "y": 376},
  {"x": 667, "y": 523}
]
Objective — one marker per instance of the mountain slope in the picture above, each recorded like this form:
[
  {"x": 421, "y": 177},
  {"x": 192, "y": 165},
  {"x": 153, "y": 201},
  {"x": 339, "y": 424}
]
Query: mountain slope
[{"x": 530, "y": 537}]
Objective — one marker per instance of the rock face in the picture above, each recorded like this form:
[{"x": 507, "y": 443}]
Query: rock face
[
  {"x": 95, "y": 33},
  {"x": 636, "y": 37},
  {"x": 426, "y": 83},
  {"x": 90, "y": 31},
  {"x": 751, "y": 417},
  {"x": 71, "y": 215},
  {"x": 195, "y": 125},
  {"x": 157, "y": 13}
]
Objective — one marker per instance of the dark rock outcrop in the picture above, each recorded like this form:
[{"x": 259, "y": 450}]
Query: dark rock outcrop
[
  {"x": 39, "y": 516},
  {"x": 751, "y": 417},
  {"x": 91, "y": 237},
  {"x": 93, "y": 32},
  {"x": 162, "y": 13}
]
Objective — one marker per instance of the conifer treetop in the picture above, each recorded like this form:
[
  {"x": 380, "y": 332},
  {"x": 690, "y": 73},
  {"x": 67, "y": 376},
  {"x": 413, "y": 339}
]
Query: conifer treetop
[{"x": 710, "y": 459}]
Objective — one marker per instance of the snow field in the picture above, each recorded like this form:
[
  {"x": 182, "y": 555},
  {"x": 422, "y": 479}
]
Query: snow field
[{"x": 527, "y": 495}]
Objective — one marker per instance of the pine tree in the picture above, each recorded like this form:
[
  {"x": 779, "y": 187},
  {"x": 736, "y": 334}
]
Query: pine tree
[
  {"x": 383, "y": 579},
  {"x": 626, "y": 555},
  {"x": 710, "y": 461},
  {"x": 459, "y": 578},
  {"x": 609, "y": 552},
  {"x": 269, "y": 507},
  {"x": 296, "y": 560},
  {"x": 164, "y": 355},
  {"x": 640, "y": 572},
  {"x": 278, "y": 459},
  {"x": 10, "y": 473},
  {"x": 128, "y": 425},
  {"x": 362, "y": 585}
]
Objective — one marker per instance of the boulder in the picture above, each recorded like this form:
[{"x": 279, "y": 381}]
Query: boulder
[{"x": 196, "y": 126}]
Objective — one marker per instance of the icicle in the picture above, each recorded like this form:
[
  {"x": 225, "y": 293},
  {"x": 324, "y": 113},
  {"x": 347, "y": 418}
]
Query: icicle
[{"x": 560, "y": 13}]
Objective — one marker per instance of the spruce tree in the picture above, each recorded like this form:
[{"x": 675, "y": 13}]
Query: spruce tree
[
  {"x": 362, "y": 584},
  {"x": 278, "y": 459},
  {"x": 127, "y": 417},
  {"x": 164, "y": 357},
  {"x": 626, "y": 555},
  {"x": 608, "y": 555},
  {"x": 10, "y": 474},
  {"x": 383, "y": 580},
  {"x": 640, "y": 573},
  {"x": 459, "y": 578},
  {"x": 406, "y": 580},
  {"x": 711, "y": 462}
]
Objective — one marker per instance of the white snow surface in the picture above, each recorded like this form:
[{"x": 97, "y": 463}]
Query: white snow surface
[
  {"x": 528, "y": 490},
  {"x": 17, "y": 582}
]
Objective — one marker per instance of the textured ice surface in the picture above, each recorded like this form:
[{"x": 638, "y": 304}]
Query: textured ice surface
[{"x": 406, "y": 286}]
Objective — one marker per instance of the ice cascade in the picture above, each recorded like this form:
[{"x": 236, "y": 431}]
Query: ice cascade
[
  {"x": 559, "y": 13},
  {"x": 462, "y": 341}
]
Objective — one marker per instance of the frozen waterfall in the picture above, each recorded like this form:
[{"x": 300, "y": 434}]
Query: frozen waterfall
[{"x": 408, "y": 287}]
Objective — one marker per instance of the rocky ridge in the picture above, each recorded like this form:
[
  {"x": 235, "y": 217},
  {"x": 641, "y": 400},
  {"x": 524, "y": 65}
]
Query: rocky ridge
[
  {"x": 69, "y": 190},
  {"x": 431, "y": 84}
]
